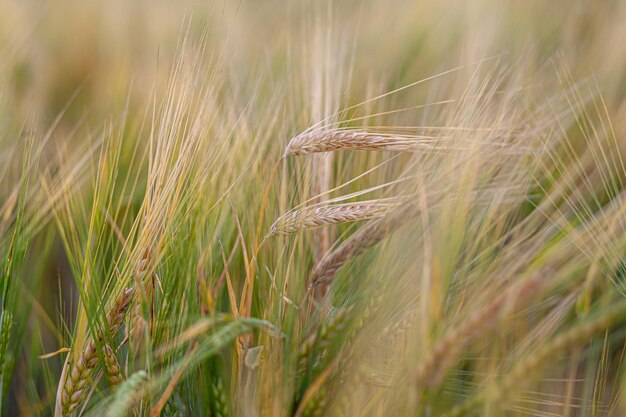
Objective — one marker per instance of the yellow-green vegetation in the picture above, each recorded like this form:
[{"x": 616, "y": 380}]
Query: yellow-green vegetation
[{"x": 312, "y": 208}]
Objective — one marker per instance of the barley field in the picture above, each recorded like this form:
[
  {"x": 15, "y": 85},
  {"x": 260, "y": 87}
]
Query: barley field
[{"x": 300, "y": 208}]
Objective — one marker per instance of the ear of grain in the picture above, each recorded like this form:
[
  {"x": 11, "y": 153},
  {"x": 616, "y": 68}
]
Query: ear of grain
[
  {"x": 113, "y": 368},
  {"x": 316, "y": 405},
  {"x": 455, "y": 341},
  {"x": 318, "y": 216},
  {"x": 364, "y": 238},
  {"x": 319, "y": 341},
  {"x": 116, "y": 315},
  {"x": 367, "y": 236},
  {"x": 77, "y": 381},
  {"x": 5, "y": 336},
  {"x": 75, "y": 387},
  {"x": 335, "y": 140},
  {"x": 127, "y": 394},
  {"x": 331, "y": 330},
  {"x": 220, "y": 401}
]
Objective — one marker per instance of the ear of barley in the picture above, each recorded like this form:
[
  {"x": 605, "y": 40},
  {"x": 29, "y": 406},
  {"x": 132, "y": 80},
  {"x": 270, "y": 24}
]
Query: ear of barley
[
  {"x": 220, "y": 401},
  {"x": 305, "y": 350},
  {"x": 318, "y": 216},
  {"x": 76, "y": 383},
  {"x": 364, "y": 238},
  {"x": 374, "y": 303},
  {"x": 330, "y": 331},
  {"x": 327, "y": 333},
  {"x": 116, "y": 315},
  {"x": 316, "y": 405},
  {"x": 367, "y": 236},
  {"x": 455, "y": 341},
  {"x": 113, "y": 368},
  {"x": 5, "y": 335},
  {"x": 127, "y": 394},
  {"x": 334, "y": 140},
  {"x": 80, "y": 376}
]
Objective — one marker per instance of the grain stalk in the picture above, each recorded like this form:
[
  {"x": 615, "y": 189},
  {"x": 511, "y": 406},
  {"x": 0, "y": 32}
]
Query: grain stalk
[
  {"x": 335, "y": 140},
  {"x": 320, "y": 215},
  {"x": 364, "y": 238}
]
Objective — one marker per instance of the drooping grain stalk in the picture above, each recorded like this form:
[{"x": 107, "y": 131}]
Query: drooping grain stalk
[
  {"x": 364, "y": 238},
  {"x": 335, "y": 140},
  {"x": 74, "y": 386},
  {"x": 321, "y": 215},
  {"x": 370, "y": 235},
  {"x": 330, "y": 331}
]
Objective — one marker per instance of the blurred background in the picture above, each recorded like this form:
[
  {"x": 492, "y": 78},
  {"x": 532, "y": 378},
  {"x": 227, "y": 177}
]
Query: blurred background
[{"x": 53, "y": 50}]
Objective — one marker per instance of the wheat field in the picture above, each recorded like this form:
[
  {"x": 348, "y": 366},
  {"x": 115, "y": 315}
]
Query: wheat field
[{"x": 313, "y": 208}]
